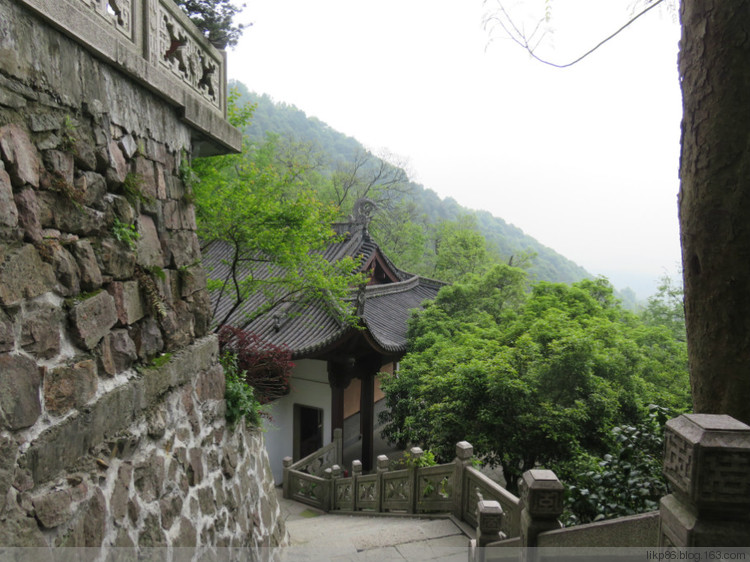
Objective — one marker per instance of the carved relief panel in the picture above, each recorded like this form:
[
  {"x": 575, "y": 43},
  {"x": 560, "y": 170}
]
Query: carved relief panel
[
  {"x": 187, "y": 60},
  {"x": 119, "y": 13}
]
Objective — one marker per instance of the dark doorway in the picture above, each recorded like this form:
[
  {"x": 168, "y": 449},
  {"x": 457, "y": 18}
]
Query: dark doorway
[{"x": 308, "y": 430}]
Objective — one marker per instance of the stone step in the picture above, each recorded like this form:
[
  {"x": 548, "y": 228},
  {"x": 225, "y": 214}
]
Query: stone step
[{"x": 316, "y": 536}]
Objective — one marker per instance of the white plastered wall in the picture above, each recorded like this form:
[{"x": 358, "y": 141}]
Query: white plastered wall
[{"x": 309, "y": 388}]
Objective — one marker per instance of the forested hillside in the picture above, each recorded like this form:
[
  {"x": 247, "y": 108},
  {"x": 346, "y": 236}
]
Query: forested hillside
[{"x": 413, "y": 224}]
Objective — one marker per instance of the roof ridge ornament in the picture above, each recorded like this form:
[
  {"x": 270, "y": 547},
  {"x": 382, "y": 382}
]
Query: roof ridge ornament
[{"x": 362, "y": 211}]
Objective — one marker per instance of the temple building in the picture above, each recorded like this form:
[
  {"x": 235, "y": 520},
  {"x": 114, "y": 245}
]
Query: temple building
[{"x": 335, "y": 378}]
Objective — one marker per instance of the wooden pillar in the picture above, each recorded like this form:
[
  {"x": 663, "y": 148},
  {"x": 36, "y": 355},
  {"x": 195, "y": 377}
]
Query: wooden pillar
[
  {"x": 339, "y": 376},
  {"x": 337, "y": 409},
  {"x": 367, "y": 367},
  {"x": 366, "y": 421}
]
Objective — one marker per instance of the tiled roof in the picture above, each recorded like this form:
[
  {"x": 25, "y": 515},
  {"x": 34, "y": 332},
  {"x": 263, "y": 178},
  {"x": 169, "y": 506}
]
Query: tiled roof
[{"x": 310, "y": 329}]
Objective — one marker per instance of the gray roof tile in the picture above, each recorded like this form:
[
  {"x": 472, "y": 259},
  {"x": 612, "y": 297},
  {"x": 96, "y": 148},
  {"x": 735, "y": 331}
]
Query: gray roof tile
[{"x": 310, "y": 329}]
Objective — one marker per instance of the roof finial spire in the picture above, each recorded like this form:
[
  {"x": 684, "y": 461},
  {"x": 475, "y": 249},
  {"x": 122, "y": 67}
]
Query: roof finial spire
[{"x": 363, "y": 210}]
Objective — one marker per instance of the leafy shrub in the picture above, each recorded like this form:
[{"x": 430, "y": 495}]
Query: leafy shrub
[
  {"x": 240, "y": 398},
  {"x": 132, "y": 189},
  {"x": 126, "y": 233},
  {"x": 408, "y": 460},
  {"x": 624, "y": 482},
  {"x": 264, "y": 366}
]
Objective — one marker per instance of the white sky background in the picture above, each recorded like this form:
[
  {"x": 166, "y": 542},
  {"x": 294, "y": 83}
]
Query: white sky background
[{"x": 583, "y": 159}]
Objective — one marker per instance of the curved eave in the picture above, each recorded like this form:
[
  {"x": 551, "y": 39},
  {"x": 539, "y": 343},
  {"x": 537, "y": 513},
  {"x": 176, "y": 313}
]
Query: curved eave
[{"x": 309, "y": 329}]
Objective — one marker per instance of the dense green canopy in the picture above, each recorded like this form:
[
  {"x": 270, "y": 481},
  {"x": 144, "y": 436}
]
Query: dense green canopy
[
  {"x": 530, "y": 378},
  {"x": 262, "y": 203}
]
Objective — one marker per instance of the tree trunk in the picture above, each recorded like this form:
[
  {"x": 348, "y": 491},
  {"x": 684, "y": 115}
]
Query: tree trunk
[{"x": 714, "y": 201}]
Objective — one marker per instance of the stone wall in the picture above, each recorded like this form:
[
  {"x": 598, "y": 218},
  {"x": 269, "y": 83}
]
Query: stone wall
[{"x": 112, "y": 426}]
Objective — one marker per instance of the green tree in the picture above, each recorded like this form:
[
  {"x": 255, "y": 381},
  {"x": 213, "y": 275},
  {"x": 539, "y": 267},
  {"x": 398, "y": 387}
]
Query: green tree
[
  {"x": 261, "y": 204},
  {"x": 401, "y": 233},
  {"x": 407, "y": 221},
  {"x": 460, "y": 249},
  {"x": 626, "y": 480},
  {"x": 528, "y": 379},
  {"x": 666, "y": 308},
  {"x": 366, "y": 176},
  {"x": 215, "y": 18}
]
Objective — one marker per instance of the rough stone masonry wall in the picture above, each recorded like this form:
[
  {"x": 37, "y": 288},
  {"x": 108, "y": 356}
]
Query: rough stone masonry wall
[{"x": 112, "y": 426}]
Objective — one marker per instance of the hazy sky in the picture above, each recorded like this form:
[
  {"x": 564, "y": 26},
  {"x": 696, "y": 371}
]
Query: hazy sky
[{"x": 583, "y": 159}]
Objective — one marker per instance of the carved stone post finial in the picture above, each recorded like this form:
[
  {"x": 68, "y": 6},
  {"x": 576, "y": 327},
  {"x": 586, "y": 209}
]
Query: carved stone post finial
[
  {"x": 707, "y": 463},
  {"x": 286, "y": 483},
  {"x": 326, "y": 495},
  {"x": 541, "y": 505},
  {"x": 383, "y": 463},
  {"x": 416, "y": 454},
  {"x": 464, "y": 453},
  {"x": 489, "y": 522},
  {"x": 356, "y": 473}
]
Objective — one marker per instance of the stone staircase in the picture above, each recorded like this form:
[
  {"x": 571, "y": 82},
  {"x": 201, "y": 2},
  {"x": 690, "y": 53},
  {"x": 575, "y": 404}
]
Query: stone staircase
[{"x": 316, "y": 535}]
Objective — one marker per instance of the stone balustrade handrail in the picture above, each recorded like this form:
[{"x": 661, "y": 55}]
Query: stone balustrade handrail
[
  {"x": 454, "y": 488},
  {"x": 706, "y": 461},
  {"x": 155, "y": 43},
  {"x": 480, "y": 484}
]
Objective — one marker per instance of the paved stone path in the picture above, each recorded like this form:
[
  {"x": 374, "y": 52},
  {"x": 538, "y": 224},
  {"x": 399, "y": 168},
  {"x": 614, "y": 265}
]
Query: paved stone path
[{"x": 316, "y": 535}]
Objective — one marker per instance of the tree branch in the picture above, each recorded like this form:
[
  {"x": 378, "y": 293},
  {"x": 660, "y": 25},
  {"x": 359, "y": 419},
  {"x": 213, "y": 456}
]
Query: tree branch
[{"x": 520, "y": 38}]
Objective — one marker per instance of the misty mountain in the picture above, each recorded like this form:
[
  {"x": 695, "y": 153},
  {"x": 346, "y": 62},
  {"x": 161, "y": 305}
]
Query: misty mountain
[{"x": 505, "y": 240}]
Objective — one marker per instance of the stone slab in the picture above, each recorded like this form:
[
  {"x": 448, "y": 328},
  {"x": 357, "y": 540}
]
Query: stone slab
[
  {"x": 20, "y": 379},
  {"x": 23, "y": 274},
  {"x": 20, "y": 155},
  {"x": 92, "y": 318}
]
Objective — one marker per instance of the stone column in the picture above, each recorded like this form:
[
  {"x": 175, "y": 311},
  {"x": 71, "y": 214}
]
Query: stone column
[
  {"x": 464, "y": 452},
  {"x": 541, "y": 505},
  {"x": 707, "y": 463}
]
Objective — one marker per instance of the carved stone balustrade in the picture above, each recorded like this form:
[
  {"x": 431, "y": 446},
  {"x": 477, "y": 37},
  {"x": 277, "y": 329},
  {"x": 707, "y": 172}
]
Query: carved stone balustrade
[
  {"x": 489, "y": 522},
  {"x": 707, "y": 463},
  {"x": 542, "y": 503},
  {"x": 155, "y": 43}
]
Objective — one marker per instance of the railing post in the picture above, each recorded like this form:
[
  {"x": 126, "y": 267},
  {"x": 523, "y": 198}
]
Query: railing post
[
  {"x": 338, "y": 439},
  {"x": 707, "y": 463},
  {"x": 326, "y": 495},
  {"x": 541, "y": 505},
  {"x": 489, "y": 522},
  {"x": 416, "y": 454},
  {"x": 286, "y": 484},
  {"x": 383, "y": 463},
  {"x": 335, "y": 474},
  {"x": 464, "y": 452},
  {"x": 356, "y": 473}
]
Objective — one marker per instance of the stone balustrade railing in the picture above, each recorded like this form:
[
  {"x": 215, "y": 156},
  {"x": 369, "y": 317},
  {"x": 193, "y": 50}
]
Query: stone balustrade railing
[
  {"x": 706, "y": 461},
  {"x": 454, "y": 488},
  {"x": 307, "y": 480},
  {"x": 154, "y": 42},
  {"x": 707, "y": 464}
]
